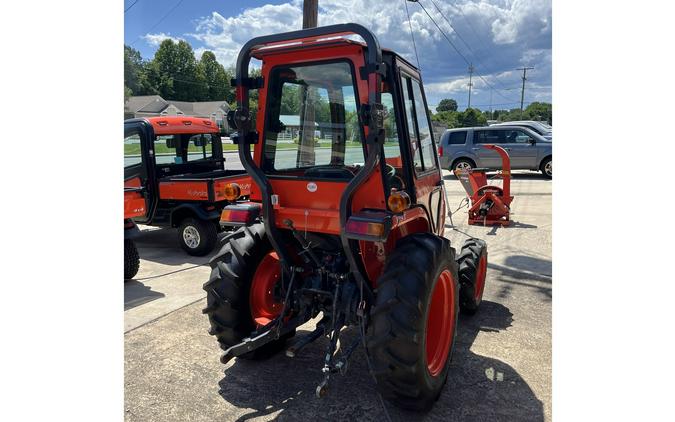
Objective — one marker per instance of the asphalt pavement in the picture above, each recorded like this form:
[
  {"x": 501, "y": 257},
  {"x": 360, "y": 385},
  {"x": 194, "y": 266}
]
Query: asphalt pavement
[{"x": 500, "y": 371}]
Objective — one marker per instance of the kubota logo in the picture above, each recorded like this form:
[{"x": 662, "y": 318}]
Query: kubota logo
[{"x": 198, "y": 193}]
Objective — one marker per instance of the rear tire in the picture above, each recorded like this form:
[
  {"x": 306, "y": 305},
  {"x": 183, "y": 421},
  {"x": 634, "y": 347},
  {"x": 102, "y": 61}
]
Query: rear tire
[
  {"x": 229, "y": 286},
  {"x": 397, "y": 338},
  {"x": 463, "y": 164},
  {"x": 546, "y": 167},
  {"x": 472, "y": 263},
  {"x": 197, "y": 237},
  {"x": 131, "y": 259}
]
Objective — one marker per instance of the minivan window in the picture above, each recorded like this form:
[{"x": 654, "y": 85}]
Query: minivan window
[
  {"x": 457, "y": 138},
  {"x": 488, "y": 137}
]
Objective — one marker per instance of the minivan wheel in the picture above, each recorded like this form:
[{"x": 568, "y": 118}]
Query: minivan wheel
[
  {"x": 547, "y": 168},
  {"x": 463, "y": 164}
]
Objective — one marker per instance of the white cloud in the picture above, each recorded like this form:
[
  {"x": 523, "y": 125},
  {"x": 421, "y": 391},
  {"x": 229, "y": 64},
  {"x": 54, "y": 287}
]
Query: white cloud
[
  {"x": 502, "y": 35},
  {"x": 156, "y": 39}
]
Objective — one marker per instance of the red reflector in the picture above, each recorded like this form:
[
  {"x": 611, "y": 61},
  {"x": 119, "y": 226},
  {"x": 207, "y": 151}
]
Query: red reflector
[
  {"x": 235, "y": 216},
  {"x": 364, "y": 228}
]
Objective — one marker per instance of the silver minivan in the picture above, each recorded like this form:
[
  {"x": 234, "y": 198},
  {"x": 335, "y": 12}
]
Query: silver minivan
[{"x": 461, "y": 149}]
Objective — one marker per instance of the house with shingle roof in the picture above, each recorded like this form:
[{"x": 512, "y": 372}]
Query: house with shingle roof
[{"x": 154, "y": 105}]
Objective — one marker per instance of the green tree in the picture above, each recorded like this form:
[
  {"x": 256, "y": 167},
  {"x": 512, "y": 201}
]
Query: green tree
[
  {"x": 176, "y": 61},
  {"x": 447, "y": 104},
  {"x": 449, "y": 118},
  {"x": 539, "y": 111},
  {"x": 217, "y": 79},
  {"x": 471, "y": 117}
]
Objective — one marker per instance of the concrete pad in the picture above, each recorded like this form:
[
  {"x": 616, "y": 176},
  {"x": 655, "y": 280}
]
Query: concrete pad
[{"x": 501, "y": 367}]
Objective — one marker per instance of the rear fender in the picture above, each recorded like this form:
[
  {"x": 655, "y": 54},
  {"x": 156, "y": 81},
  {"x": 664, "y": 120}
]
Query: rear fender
[{"x": 374, "y": 254}]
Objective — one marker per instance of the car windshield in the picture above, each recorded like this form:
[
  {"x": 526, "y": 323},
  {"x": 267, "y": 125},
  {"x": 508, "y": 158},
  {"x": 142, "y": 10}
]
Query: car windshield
[{"x": 311, "y": 120}]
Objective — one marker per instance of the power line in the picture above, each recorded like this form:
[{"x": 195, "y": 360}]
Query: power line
[
  {"x": 458, "y": 52},
  {"x": 462, "y": 39},
  {"x": 130, "y": 6},
  {"x": 160, "y": 21},
  {"x": 405, "y": 2}
]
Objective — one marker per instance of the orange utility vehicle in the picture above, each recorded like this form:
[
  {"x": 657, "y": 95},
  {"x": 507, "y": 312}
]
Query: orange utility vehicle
[
  {"x": 346, "y": 221},
  {"x": 176, "y": 164}
]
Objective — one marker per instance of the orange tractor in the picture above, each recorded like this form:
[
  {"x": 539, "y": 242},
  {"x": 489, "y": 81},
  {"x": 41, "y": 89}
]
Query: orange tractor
[{"x": 345, "y": 217}]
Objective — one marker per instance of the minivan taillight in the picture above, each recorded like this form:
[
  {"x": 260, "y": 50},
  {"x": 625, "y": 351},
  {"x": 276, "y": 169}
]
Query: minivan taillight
[{"x": 440, "y": 150}]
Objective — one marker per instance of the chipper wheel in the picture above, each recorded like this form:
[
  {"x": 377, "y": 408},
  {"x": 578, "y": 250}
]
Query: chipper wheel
[
  {"x": 131, "y": 259},
  {"x": 413, "y": 322},
  {"x": 472, "y": 263},
  {"x": 240, "y": 291}
]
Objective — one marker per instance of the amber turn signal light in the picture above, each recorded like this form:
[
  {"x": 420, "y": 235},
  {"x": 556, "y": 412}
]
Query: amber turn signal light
[
  {"x": 232, "y": 191},
  {"x": 398, "y": 201}
]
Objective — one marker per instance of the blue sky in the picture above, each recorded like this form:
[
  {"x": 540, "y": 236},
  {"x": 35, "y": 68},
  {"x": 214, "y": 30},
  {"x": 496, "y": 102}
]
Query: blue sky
[{"x": 497, "y": 36}]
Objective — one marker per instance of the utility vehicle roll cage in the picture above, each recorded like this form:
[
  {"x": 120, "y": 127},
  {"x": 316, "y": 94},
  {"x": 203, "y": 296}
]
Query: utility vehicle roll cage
[{"x": 371, "y": 116}]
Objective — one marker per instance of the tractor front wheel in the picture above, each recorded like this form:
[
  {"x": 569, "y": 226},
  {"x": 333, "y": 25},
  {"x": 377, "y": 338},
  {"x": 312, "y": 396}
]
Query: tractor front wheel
[
  {"x": 414, "y": 320},
  {"x": 240, "y": 292},
  {"x": 472, "y": 264}
]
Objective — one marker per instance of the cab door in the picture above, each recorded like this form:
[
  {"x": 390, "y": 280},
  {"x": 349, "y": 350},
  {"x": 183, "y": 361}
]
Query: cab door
[
  {"x": 428, "y": 184},
  {"x": 139, "y": 189}
]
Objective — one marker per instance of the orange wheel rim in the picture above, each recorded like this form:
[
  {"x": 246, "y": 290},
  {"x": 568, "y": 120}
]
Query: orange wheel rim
[
  {"x": 264, "y": 306},
  {"x": 480, "y": 277},
  {"x": 440, "y": 323}
]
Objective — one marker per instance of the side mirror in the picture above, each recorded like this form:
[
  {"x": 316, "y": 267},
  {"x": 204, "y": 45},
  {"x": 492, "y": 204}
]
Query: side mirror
[{"x": 531, "y": 141}]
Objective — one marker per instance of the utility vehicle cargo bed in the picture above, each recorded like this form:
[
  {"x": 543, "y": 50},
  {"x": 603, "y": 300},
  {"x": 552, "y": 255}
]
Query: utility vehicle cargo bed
[{"x": 202, "y": 186}]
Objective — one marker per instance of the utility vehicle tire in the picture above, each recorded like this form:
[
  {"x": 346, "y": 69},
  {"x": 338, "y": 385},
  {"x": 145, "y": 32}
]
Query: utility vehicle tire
[
  {"x": 462, "y": 164},
  {"x": 131, "y": 259},
  {"x": 472, "y": 263},
  {"x": 228, "y": 290},
  {"x": 547, "y": 167},
  {"x": 413, "y": 322},
  {"x": 197, "y": 237}
]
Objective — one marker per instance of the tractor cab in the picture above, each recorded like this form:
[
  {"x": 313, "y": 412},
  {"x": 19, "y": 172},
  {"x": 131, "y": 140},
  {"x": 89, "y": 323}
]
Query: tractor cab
[
  {"x": 345, "y": 216},
  {"x": 342, "y": 132}
]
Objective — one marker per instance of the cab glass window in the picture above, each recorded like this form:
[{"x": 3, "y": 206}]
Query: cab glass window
[
  {"x": 132, "y": 150},
  {"x": 311, "y": 124},
  {"x": 412, "y": 127},
  {"x": 424, "y": 127},
  {"x": 181, "y": 149}
]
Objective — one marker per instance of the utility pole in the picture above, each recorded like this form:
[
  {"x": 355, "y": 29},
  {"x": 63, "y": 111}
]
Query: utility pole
[
  {"x": 306, "y": 156},
  {"x": 491, "y": 115},
  {"x": 310, "y": 13},
  {"x": 471, "y": 69},
  {"x": 522, "y": 92}
]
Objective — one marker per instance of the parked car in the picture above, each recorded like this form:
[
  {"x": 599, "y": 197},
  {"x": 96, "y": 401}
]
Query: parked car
[
  {"x": 541, "y": 128},
  {"x": 461, "y": 149}
]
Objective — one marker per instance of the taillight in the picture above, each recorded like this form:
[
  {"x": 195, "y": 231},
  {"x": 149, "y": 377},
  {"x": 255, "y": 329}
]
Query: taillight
[
  {"x": 365, "y": 228},
  {"x": 239, "y": 214},
  {"x": 440, "y": 150},
  {"x": 368, "y": 225}
]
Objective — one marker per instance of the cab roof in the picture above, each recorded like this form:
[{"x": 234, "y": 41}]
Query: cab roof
[{"x": 172, "y": 125}]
